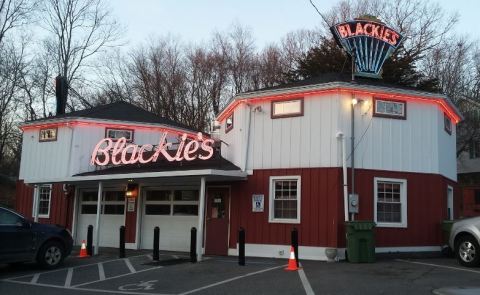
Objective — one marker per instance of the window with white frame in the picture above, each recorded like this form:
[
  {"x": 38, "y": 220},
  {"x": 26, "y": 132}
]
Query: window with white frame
[
  {"x": 284, "y": 199},
  {"x": 390, "y": 202},
  {"x": 44, "y": 199},
  {"x": 229, "y": 123},
  {"x": 287, "y": 108},
  {"x": 171, "y": 202},
  {"x": 447, "y": 124},
  {"x": 119, "y": 133},
  {"x": 390, "y": 108}
]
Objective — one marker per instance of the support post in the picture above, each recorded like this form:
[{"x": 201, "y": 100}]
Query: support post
[
  {"x": 241, "y": 246},
  {"x": 156, "y": 243},
  {"x": 294, "y": 236},
  {"x": 90, "y": 240},
  {"x": 193, "y": 245},
  {"x": 201, "y": 218},
  {"x": 352, "y": 156},
  {"x": 36, "y": 201},
  {"x": 97, "y": 220},
  {"x": 121, "y": 248}
]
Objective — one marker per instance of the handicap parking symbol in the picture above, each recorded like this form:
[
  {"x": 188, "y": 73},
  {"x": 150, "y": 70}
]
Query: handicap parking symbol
[{"x": 147, "y": 285}]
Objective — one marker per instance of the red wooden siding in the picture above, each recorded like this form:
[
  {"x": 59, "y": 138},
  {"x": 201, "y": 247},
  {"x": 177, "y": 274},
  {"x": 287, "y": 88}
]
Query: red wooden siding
[
  {"x": 130, "y": 223},
  {"x": 468, "y": 206},
  {"x": 61, "y": 204},
  {"x": 321, "y": 195},
  {"x": 322, "y": 217}
]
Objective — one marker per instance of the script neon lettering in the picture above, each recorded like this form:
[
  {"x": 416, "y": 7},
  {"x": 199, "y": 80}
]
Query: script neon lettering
[{"x": 107, "y": 152}]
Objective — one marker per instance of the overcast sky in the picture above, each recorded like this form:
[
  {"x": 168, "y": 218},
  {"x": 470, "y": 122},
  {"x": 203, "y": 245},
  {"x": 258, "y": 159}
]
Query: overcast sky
[{"x": 270, "y": 20}]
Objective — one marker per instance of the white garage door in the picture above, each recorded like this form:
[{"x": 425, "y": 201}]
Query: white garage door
[
  {"x": 175, "y": 211},
  {"x": 112, "y": 216}
]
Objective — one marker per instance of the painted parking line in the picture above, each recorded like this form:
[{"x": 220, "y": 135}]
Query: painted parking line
[
  {"x": 68, "y": 279},
  {"x": 438, "y": 265},
  {"x": 101, "y": 272},
  {"x": 230, "y": 280},
  {"x": 35, "y": 278},
  {"x": 129, "y": 265},
  {"x": 305, "y": 282}
]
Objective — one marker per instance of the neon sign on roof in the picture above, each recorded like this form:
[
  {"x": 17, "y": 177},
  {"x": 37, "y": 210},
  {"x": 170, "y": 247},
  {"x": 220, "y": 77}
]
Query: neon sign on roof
[{"x": 120, "y": 152}]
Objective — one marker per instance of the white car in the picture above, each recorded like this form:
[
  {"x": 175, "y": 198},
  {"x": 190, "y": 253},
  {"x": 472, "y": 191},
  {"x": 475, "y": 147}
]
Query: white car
[{"x": 465, "y": 241}]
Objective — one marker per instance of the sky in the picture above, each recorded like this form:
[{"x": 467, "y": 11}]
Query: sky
[{"x": 195, "y": 20}]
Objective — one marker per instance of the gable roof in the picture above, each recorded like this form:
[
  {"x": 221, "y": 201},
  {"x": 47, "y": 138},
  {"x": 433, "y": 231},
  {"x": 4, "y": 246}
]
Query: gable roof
[{"x": 117, "y": 111}]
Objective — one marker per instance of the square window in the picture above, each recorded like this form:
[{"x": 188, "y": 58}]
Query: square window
[
  {"x": 389, "y": 108},
  {"x": 287, "y": 108},
  {"x": 48, "y": 134},
  {"x": 447, "y": 124},
  {"x": 284, "y": 201},
  {"x": 229, "y": 123},
  {"x": 116, "y": 134},
  {"x": 390, "y": 202}
]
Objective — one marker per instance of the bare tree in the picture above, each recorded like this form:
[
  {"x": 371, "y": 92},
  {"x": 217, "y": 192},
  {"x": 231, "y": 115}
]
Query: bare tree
[
  {"x": 14, "y": 14},
  {"x": 79, "y": 30}
]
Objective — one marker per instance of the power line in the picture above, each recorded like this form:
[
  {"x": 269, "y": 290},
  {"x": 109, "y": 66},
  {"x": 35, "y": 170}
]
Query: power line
[{"x": 318, "y": 11}]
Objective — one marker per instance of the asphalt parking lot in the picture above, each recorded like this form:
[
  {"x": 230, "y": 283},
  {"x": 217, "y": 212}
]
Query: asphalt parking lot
[{"x": 174, "y": 274}]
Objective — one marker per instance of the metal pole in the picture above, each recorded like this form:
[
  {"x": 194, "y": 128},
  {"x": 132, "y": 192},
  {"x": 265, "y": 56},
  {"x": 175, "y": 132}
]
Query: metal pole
[
  {"x": 294, "y": 236},
  {"x": 201, "y": 217},
  {"x": 121, "y": 248},
  {"x": 241, "y": 246},
  {"x": 156, "y": 243},
  {"x": 90, "y": 240},
  {"x": 193, "y": 245},
  {"x": 36, "y": 200},
  {"x": 352, "y": 157},
  {"x": 97, "y": 220}
]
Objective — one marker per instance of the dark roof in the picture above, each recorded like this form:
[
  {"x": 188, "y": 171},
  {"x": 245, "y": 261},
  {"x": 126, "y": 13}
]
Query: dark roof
[
  {"x": 337, "y": 77},
  {"x": 215, "y": 162},
  {"x": 118, "y": 111}
]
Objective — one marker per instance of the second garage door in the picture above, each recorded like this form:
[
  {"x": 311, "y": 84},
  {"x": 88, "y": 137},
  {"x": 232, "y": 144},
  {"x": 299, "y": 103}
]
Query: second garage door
[{"x": 175, "y": 211}]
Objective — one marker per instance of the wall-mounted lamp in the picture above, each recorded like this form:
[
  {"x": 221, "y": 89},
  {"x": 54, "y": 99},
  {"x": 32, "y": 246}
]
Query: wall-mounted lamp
[{"x": 132, "y": 190}]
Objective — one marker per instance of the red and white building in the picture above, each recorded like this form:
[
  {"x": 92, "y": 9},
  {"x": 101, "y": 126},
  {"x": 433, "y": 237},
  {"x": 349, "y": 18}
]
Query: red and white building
[{"x": 280, "y": 159}]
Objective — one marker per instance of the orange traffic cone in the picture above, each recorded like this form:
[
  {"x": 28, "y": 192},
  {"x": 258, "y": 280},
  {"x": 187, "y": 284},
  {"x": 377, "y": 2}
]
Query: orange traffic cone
[
  {"x": 83, "y": 250},
  {"x": 292, "y": 262}
]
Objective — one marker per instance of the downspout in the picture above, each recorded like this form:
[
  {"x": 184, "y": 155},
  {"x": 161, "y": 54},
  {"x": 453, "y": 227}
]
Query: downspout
[
  {"x": 344, "y": 166},
  {"x": 247, "y": 148}
]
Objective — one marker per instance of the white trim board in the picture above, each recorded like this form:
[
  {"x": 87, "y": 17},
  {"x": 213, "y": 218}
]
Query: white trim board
[
  {"x": 283, "y": 251},
  {"x": 408, "y": 249}
]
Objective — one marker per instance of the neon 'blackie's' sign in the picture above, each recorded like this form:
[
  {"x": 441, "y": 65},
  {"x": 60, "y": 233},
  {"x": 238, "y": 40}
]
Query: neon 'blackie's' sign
[
  {"x": 370, "y": 42},
  {"x": 109, "y": 152}
]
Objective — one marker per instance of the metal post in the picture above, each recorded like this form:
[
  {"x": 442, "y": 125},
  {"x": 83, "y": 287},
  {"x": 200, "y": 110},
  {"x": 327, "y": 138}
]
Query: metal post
[
  {"x": 97, "y": 220},
  {"x": 294, "y": 236},
  {"x": 241, "y": 246},
  {"x": 36, "y": 201},
  {"x": 156, "y": 243},
  {"x": 352, "y": 157},
  {"x": 201, "y": 219},
  {"x": 193, "y": 245},
  {"x": 90, "y": 240},
  {"x": 121, "y": 248}
]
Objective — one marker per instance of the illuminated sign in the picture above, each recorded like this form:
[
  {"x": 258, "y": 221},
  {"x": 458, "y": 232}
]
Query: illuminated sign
[
  {"x": 369, "y": 42},
  {"x": 120, "y": 152}
]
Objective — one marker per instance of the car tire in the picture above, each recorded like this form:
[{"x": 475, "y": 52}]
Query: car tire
[
  {"x": 51, "y": 255},
  {"x": 467, "y": 251}
]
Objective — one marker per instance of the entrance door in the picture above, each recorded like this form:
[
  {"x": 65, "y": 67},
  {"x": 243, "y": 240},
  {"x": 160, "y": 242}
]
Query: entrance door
[{"x": 217, "y": 220}]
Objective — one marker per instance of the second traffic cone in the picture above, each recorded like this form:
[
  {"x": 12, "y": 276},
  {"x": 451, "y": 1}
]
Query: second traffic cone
[
  {"x": 83, "y": 250},
  {"x": 292, "y": 262}
]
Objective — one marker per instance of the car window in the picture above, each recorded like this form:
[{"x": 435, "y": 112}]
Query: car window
[{"x": 8, "y": 218}]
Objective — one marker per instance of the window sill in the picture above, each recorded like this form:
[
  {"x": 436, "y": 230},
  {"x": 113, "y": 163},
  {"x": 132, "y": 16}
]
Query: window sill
[
  {"x": 293, "y": 221},
  {"x": 391, "y": 225}
]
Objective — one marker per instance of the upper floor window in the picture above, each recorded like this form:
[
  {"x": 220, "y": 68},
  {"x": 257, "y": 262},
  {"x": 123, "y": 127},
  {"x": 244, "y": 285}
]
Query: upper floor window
[
  {"x": 48, "y": 134},
  {"x": 447, "y": 123},
  {"x": 118, "y": 133},
  {"x": 390, "y": 108},
  {"x": 287, "y": 108},
  {"x": 284, "y": 200},
  {"x": 390, "y": 202},
  {"x": 229, "y": 123},
  {"x": 474, "y": 149}
]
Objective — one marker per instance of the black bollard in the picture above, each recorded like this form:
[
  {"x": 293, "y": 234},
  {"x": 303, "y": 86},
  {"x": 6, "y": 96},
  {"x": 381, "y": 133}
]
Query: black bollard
[
  {"x": 295, "y": 244},
  {"x": 121, "y": 249},
  {"x": 241, "y": 246},
  {"x": 156, "y": 243},
  {"x": 90, "y": 240},
  {"x": 193, "y": 245}
]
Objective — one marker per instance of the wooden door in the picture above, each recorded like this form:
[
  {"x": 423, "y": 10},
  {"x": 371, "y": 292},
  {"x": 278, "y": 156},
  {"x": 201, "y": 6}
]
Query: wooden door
[{"x": 217, "y": 221}]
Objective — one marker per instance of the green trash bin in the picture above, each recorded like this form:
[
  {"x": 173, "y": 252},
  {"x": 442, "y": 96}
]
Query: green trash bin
[{"x": 360, "y": 241}]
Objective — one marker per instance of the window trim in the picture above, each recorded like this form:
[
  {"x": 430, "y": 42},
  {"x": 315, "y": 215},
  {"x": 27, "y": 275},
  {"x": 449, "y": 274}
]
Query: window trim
[
  {"x": 381, "y": 115},
  {"x": 227, "y": 129},
  {"x": 299, "y": 114},
  {"x": 132, "y": 131},
  {"x": 172, "y": 202},
  {"x": 271, "y": 208},
  {"x": 47, "y": 140},
  {"x": 403, "y": 202},
  {"x": 49, "y": 201},
  {"x": 447, "y": 129},
  {"x": 473, "y": 152}
]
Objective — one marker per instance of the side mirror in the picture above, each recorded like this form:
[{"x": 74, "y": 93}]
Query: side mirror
[{"x": 24, "y": 223}]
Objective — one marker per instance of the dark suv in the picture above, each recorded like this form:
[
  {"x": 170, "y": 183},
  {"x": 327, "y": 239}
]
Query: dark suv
[{"x": 22, "y": 240}]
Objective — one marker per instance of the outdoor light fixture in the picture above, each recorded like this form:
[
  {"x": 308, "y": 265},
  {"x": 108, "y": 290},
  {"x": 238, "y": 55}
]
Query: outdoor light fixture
[
  {"x": 132, "y": 190},
  {"x": 354, "y": 101}
]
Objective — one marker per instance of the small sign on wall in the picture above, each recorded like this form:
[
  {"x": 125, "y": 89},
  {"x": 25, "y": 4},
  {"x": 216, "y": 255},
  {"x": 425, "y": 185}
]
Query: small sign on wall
[
  {"x": 131, "y": 204},
  {"x": 257, "y": 203}
]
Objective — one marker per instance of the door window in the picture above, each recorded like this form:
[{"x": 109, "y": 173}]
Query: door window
[{"x": 218, "y": 206}]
